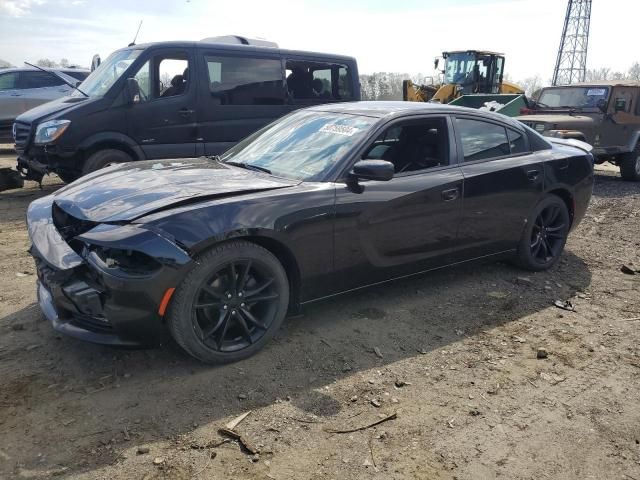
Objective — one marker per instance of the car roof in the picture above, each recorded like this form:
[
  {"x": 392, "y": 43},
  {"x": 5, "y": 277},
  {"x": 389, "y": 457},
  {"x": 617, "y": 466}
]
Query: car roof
[
  {"x": 387, "y": 109},
  {"x": 237, "y": 48}
]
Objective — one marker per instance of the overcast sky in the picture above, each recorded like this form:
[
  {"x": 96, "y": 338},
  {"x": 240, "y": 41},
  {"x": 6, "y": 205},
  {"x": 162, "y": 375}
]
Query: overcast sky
[{"x": 394, "y": 36}]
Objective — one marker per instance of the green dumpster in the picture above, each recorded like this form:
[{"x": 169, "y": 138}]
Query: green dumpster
[{"x": 506, "y": 104}]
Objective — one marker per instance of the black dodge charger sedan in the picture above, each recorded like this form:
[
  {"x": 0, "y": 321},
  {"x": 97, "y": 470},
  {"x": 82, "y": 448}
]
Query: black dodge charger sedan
[{"x": 216, "y": 251}]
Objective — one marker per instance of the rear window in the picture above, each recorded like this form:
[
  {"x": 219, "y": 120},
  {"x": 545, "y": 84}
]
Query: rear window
[
  {"x": 245, "y": 81},
  {"x": 8, "y": 81},
  {"x": 76, "y": 74},
  {"x": 39, "y": 80}
]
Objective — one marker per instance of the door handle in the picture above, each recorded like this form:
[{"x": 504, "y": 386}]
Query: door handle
[
  {"x": 16, "y": 94},
  {"x": 564, "y": 164},
  {"x": 448, "y": 195},
  {"x": 185, "y": 112},
  {"x": 533, "y": 175}
]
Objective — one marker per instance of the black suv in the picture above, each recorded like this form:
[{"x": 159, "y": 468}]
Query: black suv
[{"x": 173, "y": 100}]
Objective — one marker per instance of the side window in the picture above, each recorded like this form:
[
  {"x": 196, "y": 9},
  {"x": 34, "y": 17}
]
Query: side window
[
  {"x": 172, "y": 76},
  {"x": 39, "y": 80},
  {"x": 517, "y": 142},
  {"x": 8, "y": 81},
  {"x": 482, "y": 140},
  {"x": 413, "y": 146},
  {"x": 637, "y": 111},
  {"x": 315, "y": 81},
  {"x": 143, "y": 77},
  {"x": 245, "y": 81}
]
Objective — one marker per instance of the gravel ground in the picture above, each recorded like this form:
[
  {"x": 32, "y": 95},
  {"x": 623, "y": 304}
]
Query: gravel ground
[{"x": 453, "y": 354}]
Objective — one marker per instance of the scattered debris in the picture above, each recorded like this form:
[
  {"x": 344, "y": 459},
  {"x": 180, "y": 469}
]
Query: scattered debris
[
  {"x": 629, "y": 270},
  {"x": 565, "y": 305},
  {"x": 497, "y": 294},
  {"x": 393, "y": 416},
  {"x": 524, "y": 281},
  {"x": 158, "y": 461},
  {"x": 373, "y": 459},
  {"x": 242, "y": 396},
  {"x": 634, "y": 319},
  {"x": 475, "y": 412},
  {"x": 236, "y": 421},
  {"x": 326, "y": 343},
  {"x": 244, "y": 442},
  {"x": 377, "y": 351},
  {"x": 401, "y": 383},
  {"x": 518, "y": 339},
  {"x": 450, "y": 422},
  {"x": 376, "y": 403},
  {"x": 354, "y": 399},
  {"x": 542, "y": 353},
  {"x": 142, "y": 450},
  {"x": 32, "y": 347}
]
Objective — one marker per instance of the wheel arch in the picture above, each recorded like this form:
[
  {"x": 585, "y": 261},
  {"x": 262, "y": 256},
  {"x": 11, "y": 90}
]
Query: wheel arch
[
  {"x": 568, "y": 199},
  {"x": 113, "y": 140}
]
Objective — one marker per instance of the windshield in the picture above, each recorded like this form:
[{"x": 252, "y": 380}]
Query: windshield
[
  {"x": 459, "y": 68},
  {"x": 573, "y": 97},
  {"x": 302, "y": 146},
  {"x": 103, "y": 77}
]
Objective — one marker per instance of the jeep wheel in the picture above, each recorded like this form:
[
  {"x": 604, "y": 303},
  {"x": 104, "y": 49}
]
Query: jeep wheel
[
  {"x": 104, "y": 158},
  {"x": 630, "y": 166}
]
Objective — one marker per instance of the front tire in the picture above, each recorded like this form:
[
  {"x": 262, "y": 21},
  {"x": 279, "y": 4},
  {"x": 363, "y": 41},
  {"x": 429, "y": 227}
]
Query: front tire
[
  {"x": 544, "y": 235},
  {"x": 230, "y": 304},
  {"x": 104, "y": 158},
  {"x": 630, "y": 166}
]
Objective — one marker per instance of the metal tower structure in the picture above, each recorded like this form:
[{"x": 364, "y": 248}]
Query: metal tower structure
[{"x": 571, "y": 65}]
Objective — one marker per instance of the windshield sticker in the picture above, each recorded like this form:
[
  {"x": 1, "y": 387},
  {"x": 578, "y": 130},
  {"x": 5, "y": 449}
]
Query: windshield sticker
[
  {"x": 596, "y": 92},
  {"x": 339, "y": 130}
]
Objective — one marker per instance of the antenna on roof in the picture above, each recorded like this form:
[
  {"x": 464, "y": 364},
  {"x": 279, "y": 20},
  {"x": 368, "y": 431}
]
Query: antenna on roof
[{"x": 134, "y": 38}]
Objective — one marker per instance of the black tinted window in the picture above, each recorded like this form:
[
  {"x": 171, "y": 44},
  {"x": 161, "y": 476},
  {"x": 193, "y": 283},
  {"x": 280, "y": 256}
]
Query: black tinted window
[
  {"x": 39, "y": 80},
  {"x": 8, "y": 81},
  {"x": 316, "y": 81},
  {"x": 517, "y": 142},
  {"x": 245, "y": 81},
  {"x": 482, "y": 140},
  {"x": 77, "y": 75}
]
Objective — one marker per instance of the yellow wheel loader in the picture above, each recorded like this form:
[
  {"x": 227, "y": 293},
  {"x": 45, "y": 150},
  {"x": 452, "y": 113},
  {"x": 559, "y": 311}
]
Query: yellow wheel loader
[{"x": 472, "y": 73}]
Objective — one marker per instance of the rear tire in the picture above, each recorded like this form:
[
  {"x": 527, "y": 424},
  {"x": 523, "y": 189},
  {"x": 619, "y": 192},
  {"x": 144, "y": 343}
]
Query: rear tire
[
  {"x": 230, "y": 304},
  {"x": 630, "y": 166},
  {"x": 545, "y": 235},
  {"x": 104, "y": 158}
]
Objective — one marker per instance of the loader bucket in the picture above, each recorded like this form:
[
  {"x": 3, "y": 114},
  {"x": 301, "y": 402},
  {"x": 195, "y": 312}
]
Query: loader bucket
[{"x": 506, "y": 104}]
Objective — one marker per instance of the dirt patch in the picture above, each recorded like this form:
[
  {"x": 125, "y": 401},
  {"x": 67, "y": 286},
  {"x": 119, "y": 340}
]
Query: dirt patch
[{"x": 453, "y": 353}]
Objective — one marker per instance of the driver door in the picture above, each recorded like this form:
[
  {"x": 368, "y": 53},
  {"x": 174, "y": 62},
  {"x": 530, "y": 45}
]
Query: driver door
[
  {"x": 163, "y": 121},
  {"x": 408, "y": 224}
]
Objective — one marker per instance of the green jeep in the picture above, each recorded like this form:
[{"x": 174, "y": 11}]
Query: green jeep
[{"x": 604, "y": 114}]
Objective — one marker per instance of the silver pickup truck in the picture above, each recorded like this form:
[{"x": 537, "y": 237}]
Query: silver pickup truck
[{"x": 21, "y": 89}]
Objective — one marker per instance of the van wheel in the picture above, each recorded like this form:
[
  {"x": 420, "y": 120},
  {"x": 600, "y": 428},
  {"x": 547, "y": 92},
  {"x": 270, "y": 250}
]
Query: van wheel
[
  {"x": 630, "y": 166},
  {"x": 544, "y": 235},
  {"x": 104, "y": 158},
  {"x": 68, "y": 176},
  {"x": 230, "y": 304}
]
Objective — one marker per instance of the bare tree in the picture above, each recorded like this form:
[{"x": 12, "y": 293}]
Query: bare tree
[
  {"x": 64, "y": 63},
  {"x": 46, "y": 63},
  {"x": 634, "y": 72},
  {"x": 4, "y": 64}
]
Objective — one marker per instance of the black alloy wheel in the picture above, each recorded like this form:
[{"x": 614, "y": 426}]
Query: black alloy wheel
[
  {"x": 544, "y": 235},
  {"x": 230, "y": 304},
  {"x": 235, "y": 306},
  {"x": 548, "y": 234}
]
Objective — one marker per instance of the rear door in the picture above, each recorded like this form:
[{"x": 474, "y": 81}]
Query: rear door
[
  {"x": 11, "y": 99},
  {"x": 503, "y": 181},
  {"x": 408, "y": 224},
  {"x": 240, "y": 92},
  {"x": 163, "y": 121},
  {"x": 38, "y": 87}
]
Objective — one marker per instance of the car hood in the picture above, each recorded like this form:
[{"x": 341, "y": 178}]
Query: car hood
[
  {"x": 558, "y": 121},
  {"x": 129, "y": 191},
  {"x": 53, "y": 107}
]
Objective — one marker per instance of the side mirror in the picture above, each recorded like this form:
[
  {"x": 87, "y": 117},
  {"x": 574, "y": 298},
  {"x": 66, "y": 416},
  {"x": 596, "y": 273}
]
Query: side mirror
[
  {"x": 602, "y": 105},
  {"x": 132, "y": 91},
  {"x": 436, "y": 62},
  {"x": 379, "y": 170}
]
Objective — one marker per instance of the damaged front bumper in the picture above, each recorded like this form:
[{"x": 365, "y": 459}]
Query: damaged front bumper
[{"x": 85, "y": 298}]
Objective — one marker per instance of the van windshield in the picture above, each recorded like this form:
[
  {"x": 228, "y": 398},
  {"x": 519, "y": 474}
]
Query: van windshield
[
  {"x": 302, "y": 146},
  {"x": 103, "y": 77}
]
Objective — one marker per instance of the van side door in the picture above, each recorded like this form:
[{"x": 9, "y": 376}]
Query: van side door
[
  {"x": 314, "y": 81},
  {"x": 163, "y": 118},
  {"x": 239, "y": 93}
]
